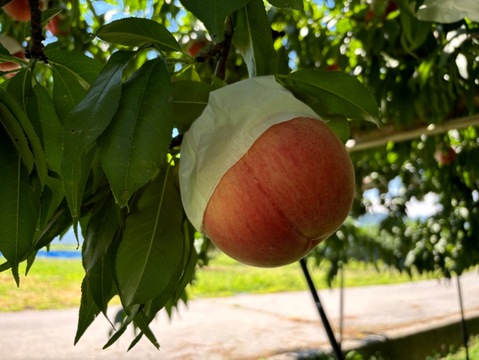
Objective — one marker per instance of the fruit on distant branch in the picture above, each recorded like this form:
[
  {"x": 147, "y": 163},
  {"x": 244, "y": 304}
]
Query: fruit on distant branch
[
  {"x": 390, "y": 7},
  {"x": 19, "y": 10},
  {"x": 195, "y": 46},
  {"x": 15, "y": 49},
  {"x": 58, "y": 26},
  {"x": 382, "y": 13},
  {"x": 445, "y": 155},
  {"x": 370, "y": 15},
  {"x": 291, "y": 188},
  {"x": 332, "y": 67}
]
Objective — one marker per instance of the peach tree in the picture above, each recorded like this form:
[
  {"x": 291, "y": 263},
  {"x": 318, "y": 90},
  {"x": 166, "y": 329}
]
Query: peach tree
[{"x": 93, "y": 121}]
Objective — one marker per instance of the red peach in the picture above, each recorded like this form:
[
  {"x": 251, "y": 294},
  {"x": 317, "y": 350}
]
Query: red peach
[
  {"x": 14, "y": 47},
  {"x": 196, "y": 46},
  {"x": 19, "y": 10},
  {"x": 445, "y": 156},
  {"x": 332, "y": 67},
  {"x": 57, "y": 26},
  {"x": 292, "y": 189}
]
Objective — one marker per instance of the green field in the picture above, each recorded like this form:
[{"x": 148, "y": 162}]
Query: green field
[{"x": 55, "y": 283}]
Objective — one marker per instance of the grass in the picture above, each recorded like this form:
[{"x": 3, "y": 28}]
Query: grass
[
  {"x": 460, "y": 354},
  {"x": 50, "y": 284},
  {"x": 226, "y": 277},
  {"x": 55, "y": 283}
]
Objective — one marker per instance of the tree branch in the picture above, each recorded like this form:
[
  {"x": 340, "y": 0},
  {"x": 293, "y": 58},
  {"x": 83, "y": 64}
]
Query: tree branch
[
  {"x": 220, "y": 71},
  {"x": 383, "y": 136},
  {"x": 35, "y": 49}
]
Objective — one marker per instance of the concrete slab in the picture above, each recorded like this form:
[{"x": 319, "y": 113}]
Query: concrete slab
[{"x": 248, "y": 326}]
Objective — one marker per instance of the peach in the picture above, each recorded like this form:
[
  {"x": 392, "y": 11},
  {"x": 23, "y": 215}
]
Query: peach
[
  {"x": 57, "y": 26},
  {"x": 445, "y": 155},
  {"x": 14, "y": 47},
  {"x": 262, "y": 175},
  {"x": 19, "y": 10},
  {"x": 195, "y": 47},
  {"x": 292, "y": 189}
]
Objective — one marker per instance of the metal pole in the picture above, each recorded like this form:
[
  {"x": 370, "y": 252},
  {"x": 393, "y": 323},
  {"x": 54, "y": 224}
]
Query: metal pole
[
  {"x": 332, "y": 340},
  {"x": 463, "y": 320}
]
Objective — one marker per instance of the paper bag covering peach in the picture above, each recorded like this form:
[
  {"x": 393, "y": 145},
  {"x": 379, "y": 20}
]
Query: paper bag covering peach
[{"x": 262, "y": 175}]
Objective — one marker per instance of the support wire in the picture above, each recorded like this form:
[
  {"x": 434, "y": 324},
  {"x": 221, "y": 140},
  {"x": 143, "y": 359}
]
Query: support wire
[{"x": 332, "y": 340}]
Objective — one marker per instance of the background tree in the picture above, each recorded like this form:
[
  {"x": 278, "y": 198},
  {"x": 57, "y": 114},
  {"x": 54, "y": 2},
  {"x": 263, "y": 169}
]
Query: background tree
[{"x": 92, "y": 125}]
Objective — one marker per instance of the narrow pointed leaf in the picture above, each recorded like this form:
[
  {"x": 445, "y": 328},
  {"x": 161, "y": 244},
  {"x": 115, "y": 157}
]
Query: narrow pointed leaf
[
  {"x": 19, "y": 206},
  {"x": 51, "y": 127},
  {"x": 56, "y": 224},
  {"x": 253, "y": 39},
  {"x": 137, "y": 32},
  {"x": 213, "y": 13},
  {"x": 17, "y": 136},
  {"x": 100, "y": 233},
  {"x": 86, "y": 123},
  {"x": 333, "y": 93},
  {"x": 88, "y": 310},
  {"x": 30, "y": 133},
  {"x": 142, "y": 322},
  {"x": 52, "y": 197},
  {"x": 151, "y": 250},
  {"x": 101, "y": 283},
  {"x": 126, "y": 322},
  {"x": 134, "y": 145},
  {"x": 20, "y": 86}
]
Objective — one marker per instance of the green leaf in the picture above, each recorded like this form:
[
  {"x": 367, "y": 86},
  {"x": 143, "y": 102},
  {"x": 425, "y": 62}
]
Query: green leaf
[
  {"x": 340, "y": 126},
  {"x": 190, "y": 259},
  {"x": 16, "y": 134},
  {"x": 100, "y": 233},
  {"x": 137, "y": 140},
  {"x": 56, "y": 224},
  {"x": 414, "y": 32},
  {"x": 51, "y": 129},
  {"x": 151, "y": 250},
  {"x": 73, "y": 73},
  {"x": 19, "y": 206},
  {"x": 138, "y": 32},
  {"x": 67, "y": 91},
  {"x": 20, "y": 87},
  {"x": 47, "y": 15},
  {"x": 252, "y": 37},
  {"x": 142, "y": 321},
  {"x": 127, "y": 321},
  {"x": 213, "y": 13},
  {"x": 80, "y": 66},
  {"x": 85, "y": 124},
  {"x": 332, "y": 93},
  {"x": 32, "y": 137},
  {"x": 189, "y": 100},
  {"x": 292, "y": 4},
  {"x": 88, "y": 310},
  {"x": 101, "y": 283},
  {"x": 52, "y": 196}
]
